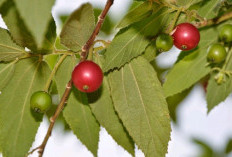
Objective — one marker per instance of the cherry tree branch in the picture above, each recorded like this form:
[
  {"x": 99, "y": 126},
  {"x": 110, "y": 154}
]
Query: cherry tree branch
[
  {"x": 214, "y": 21},
  {"x": 63, "y": 101}
]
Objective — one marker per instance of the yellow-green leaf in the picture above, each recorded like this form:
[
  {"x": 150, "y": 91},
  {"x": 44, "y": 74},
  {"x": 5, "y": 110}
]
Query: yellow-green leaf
[
  {"x": 78, "y": 28},
  {"x": 36, "y": 15},
  {"x": 140, "y": 103},
  {"x": 77, "y": 112},
  {"x": 18, "y": 123},
  {"x": 8, "y": 49},
  {"x": 103, "y": 109}
]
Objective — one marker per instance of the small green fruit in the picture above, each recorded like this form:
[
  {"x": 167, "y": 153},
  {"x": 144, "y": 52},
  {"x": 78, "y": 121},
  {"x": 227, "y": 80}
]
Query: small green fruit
[
  {"x": 225, "y": 33},
  {"x": 164, "y": 42},
  {"x": 216, "y": 53},
  {"x": 40, "y": 101}
]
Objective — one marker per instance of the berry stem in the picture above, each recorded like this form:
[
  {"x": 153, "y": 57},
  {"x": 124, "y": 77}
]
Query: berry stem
[
  {"x": 54, "y": 72},
  {"x": 64, "y": 99}
]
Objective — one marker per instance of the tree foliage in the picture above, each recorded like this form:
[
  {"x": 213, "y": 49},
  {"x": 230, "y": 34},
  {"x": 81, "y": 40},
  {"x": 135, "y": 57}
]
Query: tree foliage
[{"x": 133, "y": 105}]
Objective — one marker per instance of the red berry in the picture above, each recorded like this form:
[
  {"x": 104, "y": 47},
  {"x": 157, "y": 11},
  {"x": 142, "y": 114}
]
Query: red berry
[
  {"x": 87, "y": 76},
  {"x": 186, "y": 36}
]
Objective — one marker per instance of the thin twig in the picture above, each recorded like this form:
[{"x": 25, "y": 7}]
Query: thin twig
[
  {"x": 64, "y": 99},
  {"x": 96, "y": 30},
  {"x": 214, "y": 21}
]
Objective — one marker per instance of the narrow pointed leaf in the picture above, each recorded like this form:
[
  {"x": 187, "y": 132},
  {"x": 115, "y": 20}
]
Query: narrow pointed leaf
[
  {"x": 78, "y": 28},
  {"x": 102, "y": 107},
  {"x": 192, "y": 67},
  {"x": 16, "y": 26},
  {"x": 147, "y": 120},
  {"x": 6, "y": 72},
  {"x": 77, "y": 113},
  {"x": 18, "y": 123},
  {"x": 36, "y": 15},
  {"x": 131, "y": 42},
  {"x": 8, "y": 49}
]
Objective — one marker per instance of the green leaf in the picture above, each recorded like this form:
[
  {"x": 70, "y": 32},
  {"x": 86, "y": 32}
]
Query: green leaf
[
  {"x": 49, "y": 38},
  {"x": 150, "y": 52},
  {"x": 36, "y": 15},
  {"x": 139, "y": 13},
  {"x": 102, "y": 107},
  {"x": 207, "y": 9},
  {"x": 15, "y": 24},
  {"x": 131, "y": 42},
  {"x": 228, "y": 148},
  {"x": 139, "y": 101},
  {"x": 206, "y": 150},
  {"x": 192, "y": 67},
  {"x": 77, "y": 113},
  {"x": 1, "y": 2},
  {"x": 217, "y": 93},
  {"x": 174, "y": 101},
  {"x": 6, "y": 72},
  {"x": 18, "y": 122},
  {"x": 8, "y": 49},
  {"x": 187, "y": 2},
  {"x": 78, "y": 28}
]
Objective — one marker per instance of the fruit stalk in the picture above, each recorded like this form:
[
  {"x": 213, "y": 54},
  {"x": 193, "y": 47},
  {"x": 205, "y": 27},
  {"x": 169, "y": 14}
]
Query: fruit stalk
[{"x": 84, "y": 54}]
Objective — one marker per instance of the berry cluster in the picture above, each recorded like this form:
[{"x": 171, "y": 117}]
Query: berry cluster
[{"x": 217, "y": 53}]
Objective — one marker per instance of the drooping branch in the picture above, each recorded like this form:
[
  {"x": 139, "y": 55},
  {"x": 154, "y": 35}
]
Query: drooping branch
[{"x": 64, "y": 99}]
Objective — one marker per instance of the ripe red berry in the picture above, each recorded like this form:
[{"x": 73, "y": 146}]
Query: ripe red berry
[
  {"x": 186, "y": 36},
  {"x": 87, "y": 76}
]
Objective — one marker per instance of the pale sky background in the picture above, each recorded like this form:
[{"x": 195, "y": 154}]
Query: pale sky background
[{"x": 214, "y": 128}]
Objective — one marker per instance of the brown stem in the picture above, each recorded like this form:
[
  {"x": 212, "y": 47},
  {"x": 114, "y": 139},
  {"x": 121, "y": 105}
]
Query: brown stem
[
  {"x": 214, "y": 21},
  {"x": 64, "y": 99},
  {"x": 101, "y": 18}
]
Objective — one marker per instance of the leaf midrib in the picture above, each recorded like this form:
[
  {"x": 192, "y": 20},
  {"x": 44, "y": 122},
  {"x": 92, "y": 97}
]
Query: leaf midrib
[{"x": 143, "y": 105}]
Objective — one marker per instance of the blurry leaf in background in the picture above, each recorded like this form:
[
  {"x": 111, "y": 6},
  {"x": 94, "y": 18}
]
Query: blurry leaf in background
[
  {"x": 228, "y": 148},
  {"x": 78, "y": 27},
  {"x": 108, "y": 24},
  {"x": 174, "y": 101},
  {"x": 206, "y": 150}
]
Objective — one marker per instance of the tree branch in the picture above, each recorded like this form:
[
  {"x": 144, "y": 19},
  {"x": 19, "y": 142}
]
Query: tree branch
[
  {"x": 84, "y": 54},
  {"x": 214, "y": 21}
]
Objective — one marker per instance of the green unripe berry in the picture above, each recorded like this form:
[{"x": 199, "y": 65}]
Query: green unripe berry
[
  {"x": 225, "y": 33},
  {"x": 164, "y": 42},
  {"x": 216, "y": 53},
  {"x": 40, "y": 101}
]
